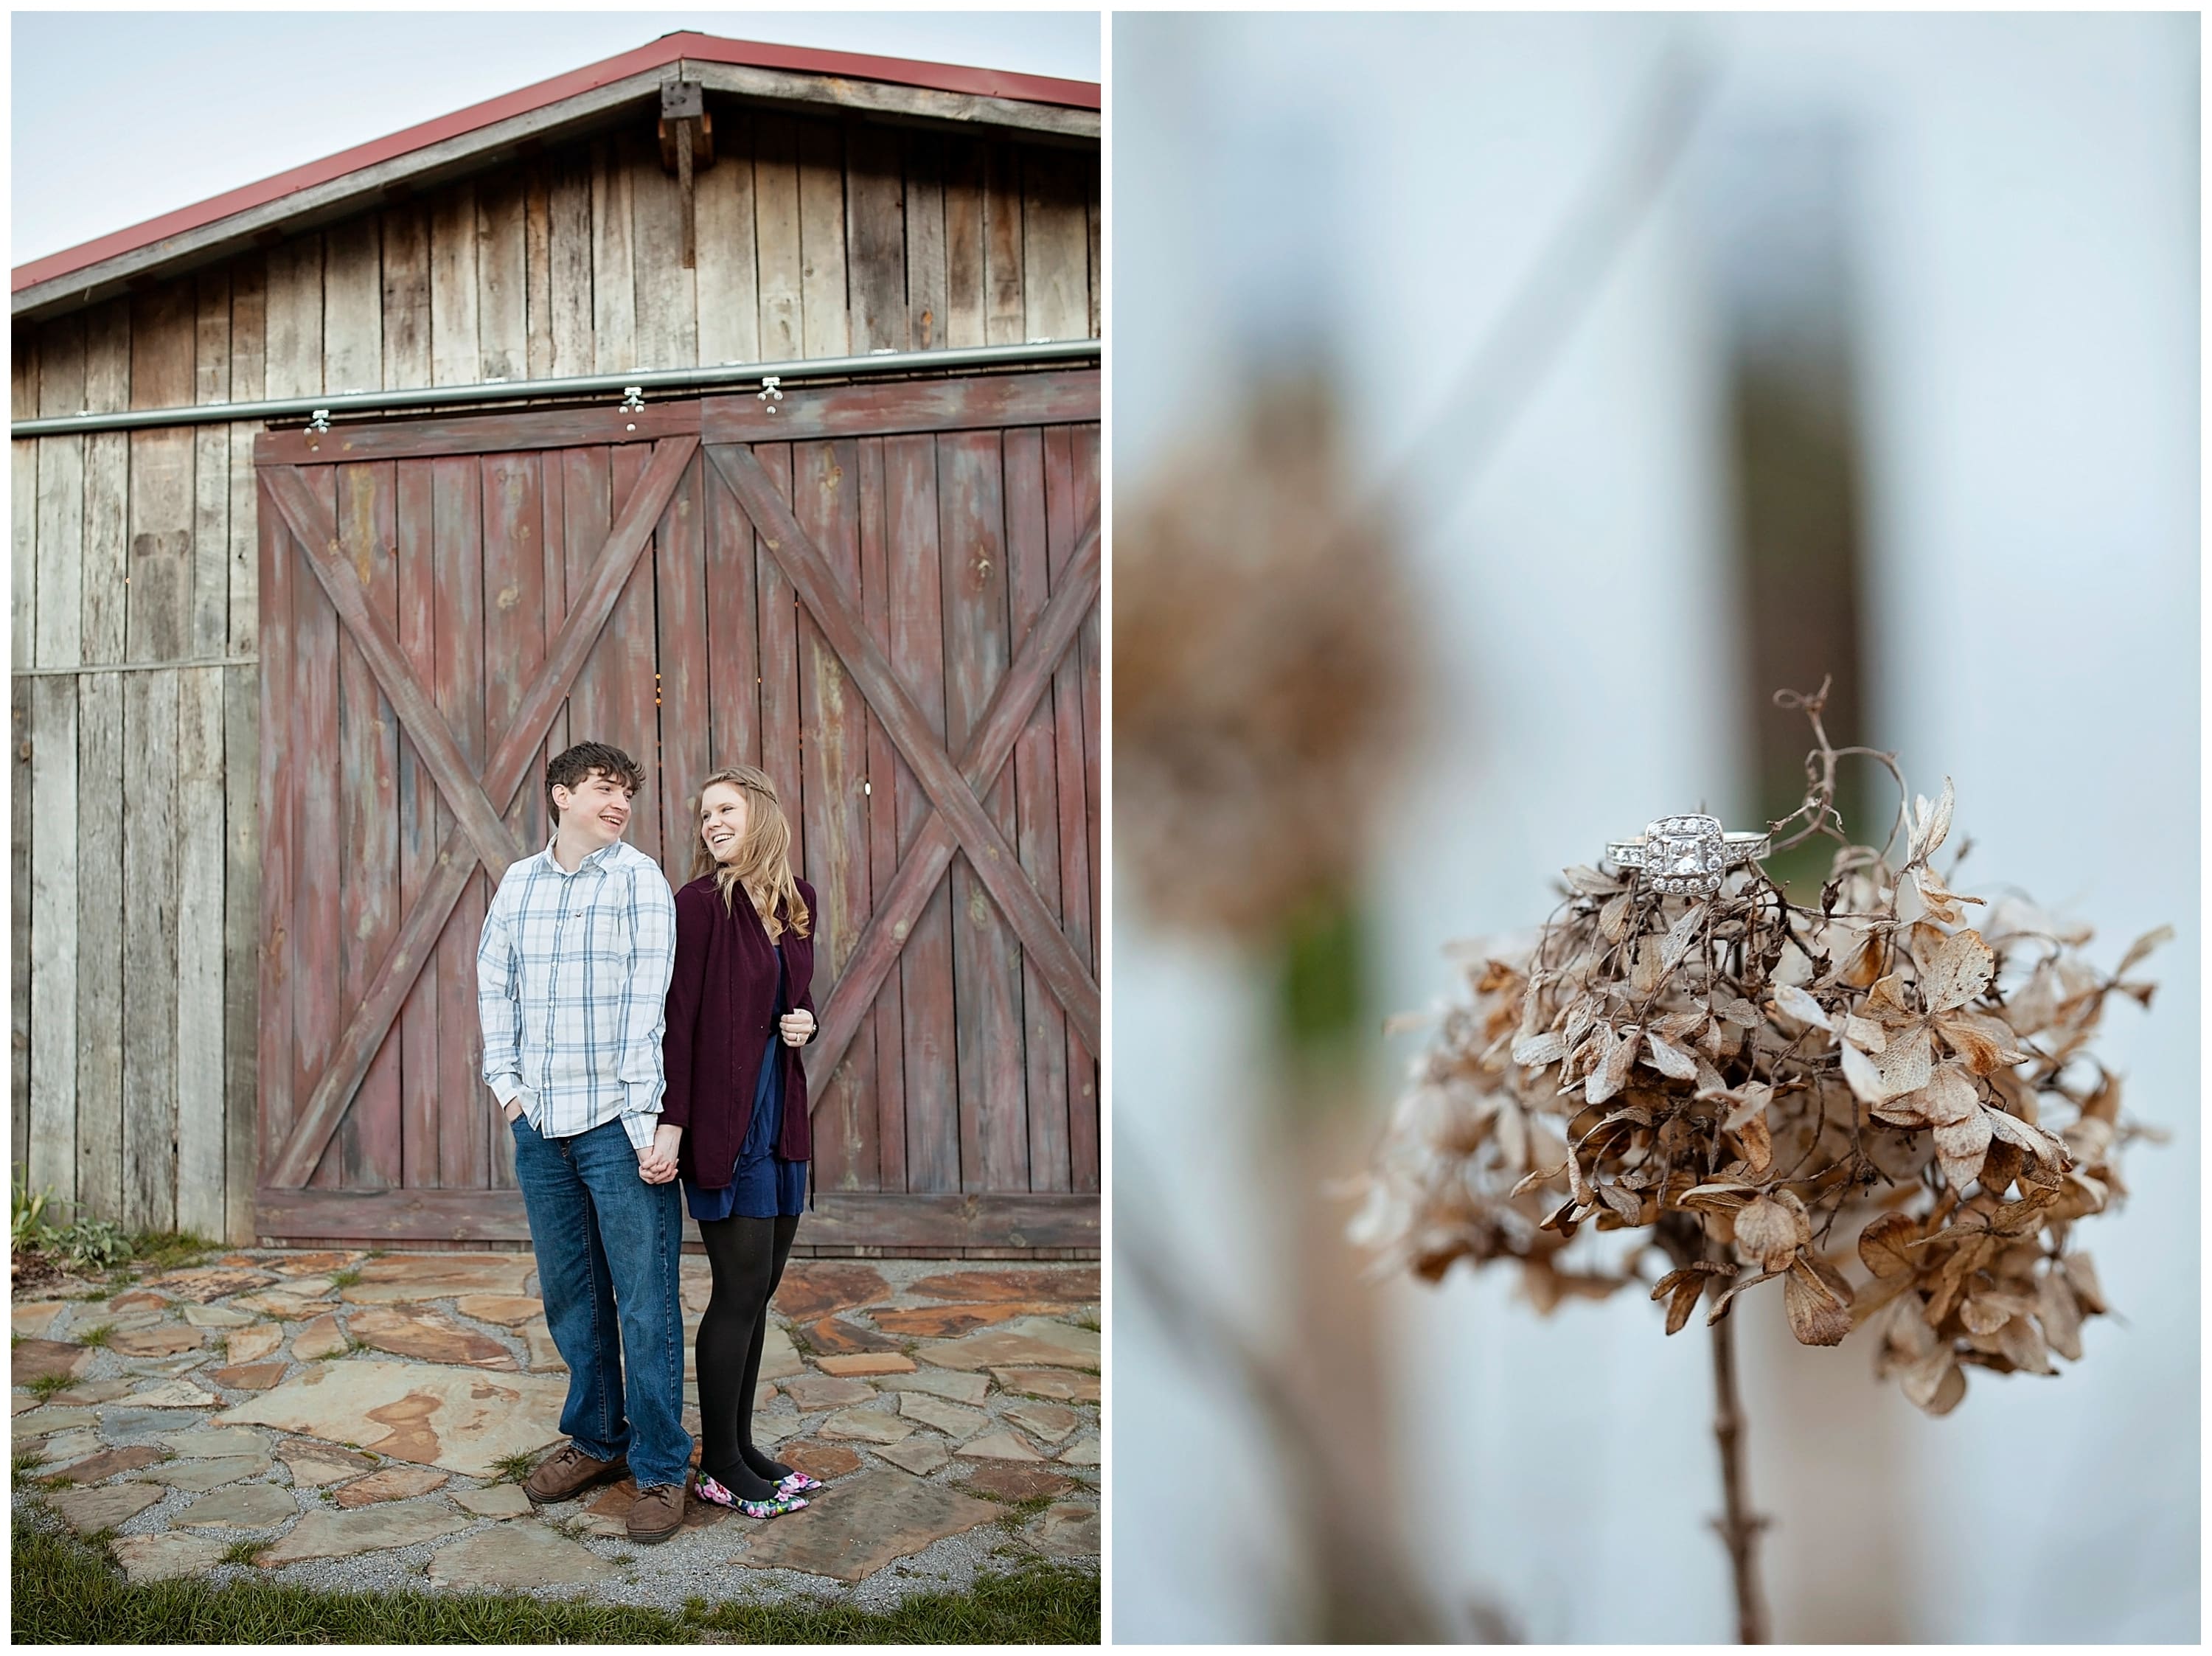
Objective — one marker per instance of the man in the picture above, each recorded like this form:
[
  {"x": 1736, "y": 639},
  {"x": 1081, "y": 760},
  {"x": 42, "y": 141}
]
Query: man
[{"x": 572, "y": 977}]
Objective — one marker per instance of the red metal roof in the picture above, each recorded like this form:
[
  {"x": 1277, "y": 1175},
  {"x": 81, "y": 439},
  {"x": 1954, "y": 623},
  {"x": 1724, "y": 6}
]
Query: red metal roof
[{"x": 706, "y": 48}]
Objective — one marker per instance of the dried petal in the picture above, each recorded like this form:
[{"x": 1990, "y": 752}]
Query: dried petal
[
  {"x": 1671, "y": 1060},
  {"x": 1793, "y": 1002},
  {"x": 1884, "y": 1245},
  {"x": 1818, "y": 1315},
  {"x": 1769, "y": 1231},
  {"x": 1680, "y": 936},
  {"x": 1958, "y": 970},
  {"x": 1959, "y": 1146}
]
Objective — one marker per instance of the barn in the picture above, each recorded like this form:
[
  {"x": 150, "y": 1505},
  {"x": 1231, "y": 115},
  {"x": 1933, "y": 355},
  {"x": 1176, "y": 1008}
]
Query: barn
[{"x": 730, "y": 402}]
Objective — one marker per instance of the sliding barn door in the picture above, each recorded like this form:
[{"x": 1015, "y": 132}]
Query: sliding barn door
[{"x": 887, "y": 596}]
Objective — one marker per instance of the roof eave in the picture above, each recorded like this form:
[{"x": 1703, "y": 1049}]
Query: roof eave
[{"x": 482, "y": 137}]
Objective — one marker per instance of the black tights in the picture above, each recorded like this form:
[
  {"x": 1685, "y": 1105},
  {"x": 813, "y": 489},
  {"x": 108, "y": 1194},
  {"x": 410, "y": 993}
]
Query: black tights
[{"x": 747, "y": 1257}]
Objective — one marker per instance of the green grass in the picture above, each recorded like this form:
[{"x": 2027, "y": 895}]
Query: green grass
[
  {"x": 67, "y": 1592},
  {"x": 169, "y": 1250},
  {"x": 242, "y": 1552},
  {"x": 46, "y": 1385},
  {"x": 26, "y": 1461},
  {"x": 98, "y": 1336},
  {"x": 513, "y": 1469},
  {"x": 345, "y": 1278}
]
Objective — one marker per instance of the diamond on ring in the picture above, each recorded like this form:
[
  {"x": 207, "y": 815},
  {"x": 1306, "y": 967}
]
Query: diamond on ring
[{"x": 1688, "y": 855}]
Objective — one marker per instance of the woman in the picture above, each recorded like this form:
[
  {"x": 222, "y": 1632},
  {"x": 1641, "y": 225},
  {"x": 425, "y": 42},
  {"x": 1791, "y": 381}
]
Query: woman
[{"x": 734, "y": 1119}]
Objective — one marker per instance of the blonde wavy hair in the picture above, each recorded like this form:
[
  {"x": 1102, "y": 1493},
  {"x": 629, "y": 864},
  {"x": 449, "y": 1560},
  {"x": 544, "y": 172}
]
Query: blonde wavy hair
[{"x": 763, "y": 865}]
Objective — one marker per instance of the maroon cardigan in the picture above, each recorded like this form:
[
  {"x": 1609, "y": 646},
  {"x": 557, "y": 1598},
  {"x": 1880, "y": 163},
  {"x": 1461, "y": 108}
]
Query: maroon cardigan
[{"x": 722, "y": 1017}]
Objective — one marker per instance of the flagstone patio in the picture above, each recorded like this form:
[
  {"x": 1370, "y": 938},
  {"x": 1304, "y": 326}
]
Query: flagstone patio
[{"x": 362, "y": 1416}]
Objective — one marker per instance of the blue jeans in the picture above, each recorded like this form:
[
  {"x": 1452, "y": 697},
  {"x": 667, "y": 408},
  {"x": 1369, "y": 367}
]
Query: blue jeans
[{"x": 606, "y": 1239}]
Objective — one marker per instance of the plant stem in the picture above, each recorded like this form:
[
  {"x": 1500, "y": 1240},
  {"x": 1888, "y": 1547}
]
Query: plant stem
[{"x": 1740, "y": 1528}]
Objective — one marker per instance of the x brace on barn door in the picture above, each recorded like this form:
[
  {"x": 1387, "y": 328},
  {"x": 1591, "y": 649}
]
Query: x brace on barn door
[
  {"x": 477, "y": 805},
  {"x": 957, "y": 820},
  {"x": 952, "y": 789}
]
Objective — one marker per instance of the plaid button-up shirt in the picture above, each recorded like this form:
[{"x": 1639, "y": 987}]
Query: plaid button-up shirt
[{"x": 572, "y": 987}]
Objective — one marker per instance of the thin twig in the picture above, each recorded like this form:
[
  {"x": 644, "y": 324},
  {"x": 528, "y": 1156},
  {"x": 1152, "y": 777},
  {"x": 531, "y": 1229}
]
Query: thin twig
[{"x": 1739, "y": 1526}]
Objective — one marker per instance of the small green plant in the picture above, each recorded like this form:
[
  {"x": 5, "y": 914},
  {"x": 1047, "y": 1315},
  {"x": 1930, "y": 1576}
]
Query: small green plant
[
  {"x": 1088, "y": 1319},
  {"x": 46, "y": 1385},
  {"x": 26, "y": 1461},
  {"x": 376, "y": 1253},
  {"x": 1020, "y": 1512},
  {"x": 345, "y": 1278},
  {"x": 354, "y": 1345},
  {"x": 94, "y": 1295},
  {"x": 167, "y": 1250},
  {"x": 241, "y": 1552},
  {"x": 513, "y": 1469},
  {"x": 97, "y": 1336}
]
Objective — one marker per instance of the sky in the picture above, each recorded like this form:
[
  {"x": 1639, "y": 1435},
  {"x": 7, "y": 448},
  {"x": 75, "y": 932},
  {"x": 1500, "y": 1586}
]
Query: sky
[{"x": 216, "y": 99}]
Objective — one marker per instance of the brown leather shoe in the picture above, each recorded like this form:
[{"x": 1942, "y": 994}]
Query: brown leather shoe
[
  {"x": 656, "y": 1515},
  {"x": 570, "y": 1471}
]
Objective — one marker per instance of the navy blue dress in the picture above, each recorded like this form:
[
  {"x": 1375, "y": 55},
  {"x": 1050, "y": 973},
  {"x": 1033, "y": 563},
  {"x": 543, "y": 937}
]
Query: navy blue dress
[{"x": 762, "y": 1186}]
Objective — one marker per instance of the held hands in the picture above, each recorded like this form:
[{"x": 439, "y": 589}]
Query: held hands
[
  {"x": 798, "y": 1028},
  {"x": 656, "y": 1164}
]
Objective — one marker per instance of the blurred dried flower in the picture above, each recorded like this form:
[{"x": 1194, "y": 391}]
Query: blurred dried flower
[
  {"x": 1761, "y": 1091},
  {"x": 1263, "y": 644}
]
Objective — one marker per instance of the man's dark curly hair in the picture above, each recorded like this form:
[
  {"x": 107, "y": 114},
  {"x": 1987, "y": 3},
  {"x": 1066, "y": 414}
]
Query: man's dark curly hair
[{"x": 572, "y": 769}]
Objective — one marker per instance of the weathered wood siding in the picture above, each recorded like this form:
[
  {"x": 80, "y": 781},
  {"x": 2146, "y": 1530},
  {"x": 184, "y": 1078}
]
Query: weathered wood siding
[{"x": 136, "y": 695}]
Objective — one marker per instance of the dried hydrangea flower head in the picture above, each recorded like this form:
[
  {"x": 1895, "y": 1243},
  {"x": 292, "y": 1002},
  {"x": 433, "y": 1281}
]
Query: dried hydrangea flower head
[
  {"x": 1896, "y": 1113},
  {"x": 1264, "y": 653}
]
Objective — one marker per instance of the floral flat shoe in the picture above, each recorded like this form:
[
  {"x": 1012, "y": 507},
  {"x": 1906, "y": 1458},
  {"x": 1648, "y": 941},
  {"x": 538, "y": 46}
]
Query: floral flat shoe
[{"x": 711, "y": 1491}]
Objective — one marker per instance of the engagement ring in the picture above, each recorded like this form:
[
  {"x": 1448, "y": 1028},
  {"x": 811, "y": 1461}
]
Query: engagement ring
[{"x": 1687, "y": 854}]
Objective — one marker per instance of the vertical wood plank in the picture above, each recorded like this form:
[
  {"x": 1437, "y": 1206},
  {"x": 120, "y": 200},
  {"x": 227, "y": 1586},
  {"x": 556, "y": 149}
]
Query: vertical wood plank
[
  {"x": 825, "y": 491},
  {"x": 249, "y": 326},
  {"x": 149, "y": 951},
  {"x": 46, "y": 902},
  {"x": 825, "y": 318},
  {"x": 986, "y": 964},
  {"x": 614, "y": 299},
  {"x": 680, "y": 557},
  {"x": 23, "y": 553},
  {"x": 570, "y": 277},
  {"x": 1088, "y": 489},
  {"x": 502, "y": 277},
  {"x": 49, "y": 514},
  {"x": 414, "y": 539},
  {"x": 241, "y": 918},
  {"x": 210, "y": 632},
  {"x": 553, "y": 515},
  {"x": 666, "y": 295},
  {"x": 99, "y": 773},
  {"x": 1097, "y": 278},
  {"x": 18, "y": 913},
  {"x": 276, "y": 794},
  {"x": 353, "y": 306},
  {"x": 779, "y": 667},
  {"x": 875, "y": 239},
  {"x": 588, "y": 514},
  {"x": 1036, "y": 815},
  {"x": 538, "y": 265},
  {"x": 454, "y": 290},
  {"x": 316, "y": 919},
  {"x": 776, "y": 208},
  {"x": 457, "y": 515},
  {"x": 157, "y": 625},
  {"x": 515, "y": 649},
  {"x": 1002, "y": 246},
  {"x": 368, "y": 1142},
  {"x": 406, "y": 327},
  {"x": 1055, "y": 245},
  {"x": 929, "y": 1046},
  {"x": 881, "y": 813},
  {"x": 965, "y": 305},
  {"x": 1073, "y": 743},
  {"x": 728, "y": 282},
  {"x": 733, "y": 630},
  {"x": 197, "y": 1008},
  {"x": 626, "y": 657},
  {"x": 293, "y": 363},
  {"x": 924, "y": 186}
]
